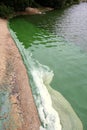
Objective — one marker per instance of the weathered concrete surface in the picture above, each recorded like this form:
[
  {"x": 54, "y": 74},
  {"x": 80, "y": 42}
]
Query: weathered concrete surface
[{"x": 17, "y": 108}]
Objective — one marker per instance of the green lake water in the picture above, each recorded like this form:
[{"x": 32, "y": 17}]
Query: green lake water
[{"x": 58, "y": 39}]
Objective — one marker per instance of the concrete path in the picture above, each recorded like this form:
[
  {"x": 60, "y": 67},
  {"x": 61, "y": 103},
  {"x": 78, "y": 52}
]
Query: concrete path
[{"x": 17, "y": 107}]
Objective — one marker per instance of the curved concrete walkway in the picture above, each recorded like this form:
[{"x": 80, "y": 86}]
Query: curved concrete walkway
[{"x": 17, "y": 107}]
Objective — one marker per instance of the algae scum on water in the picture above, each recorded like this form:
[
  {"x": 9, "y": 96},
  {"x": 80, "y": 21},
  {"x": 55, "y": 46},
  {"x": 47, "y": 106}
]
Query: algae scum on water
[{"x": 57, "y": 40}]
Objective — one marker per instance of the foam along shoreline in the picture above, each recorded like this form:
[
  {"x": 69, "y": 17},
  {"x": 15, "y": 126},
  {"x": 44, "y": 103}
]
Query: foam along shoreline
[
  {"x": 40, "y": 78},
  {"x": 49, "y": 117}
]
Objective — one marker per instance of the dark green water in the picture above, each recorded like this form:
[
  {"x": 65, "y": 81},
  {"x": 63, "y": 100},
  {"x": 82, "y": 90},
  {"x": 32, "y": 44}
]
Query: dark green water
[{"x": 58, "y": 39}]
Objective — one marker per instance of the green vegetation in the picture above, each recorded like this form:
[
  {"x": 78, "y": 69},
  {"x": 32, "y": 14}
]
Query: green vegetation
[
  {"x": 57, "y": 3},
  {"x": 5, "y": 11},
  {"x": 7, "y": 6},
  {"x": 17, "y": 5}
]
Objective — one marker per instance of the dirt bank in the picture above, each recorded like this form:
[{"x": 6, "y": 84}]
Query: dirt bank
[{"x": 21, "y": 113}]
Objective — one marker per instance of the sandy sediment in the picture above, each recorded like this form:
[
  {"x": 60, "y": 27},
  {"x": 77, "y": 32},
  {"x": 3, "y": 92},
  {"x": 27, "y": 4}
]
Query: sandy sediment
[{"x": 21, "y": 113}]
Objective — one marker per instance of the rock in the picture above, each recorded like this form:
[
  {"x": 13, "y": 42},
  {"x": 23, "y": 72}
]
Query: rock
[{"x": 30, "y": 10}]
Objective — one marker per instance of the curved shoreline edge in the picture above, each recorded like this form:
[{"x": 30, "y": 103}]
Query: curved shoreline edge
[
  {"x": 18, "y": 109},
  {"x": 48, "y": 116},
  {"x": 60, "y": 104}
]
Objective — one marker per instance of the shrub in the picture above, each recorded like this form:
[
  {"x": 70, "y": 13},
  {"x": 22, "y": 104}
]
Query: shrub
[{"x": 5, "y": 11}]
